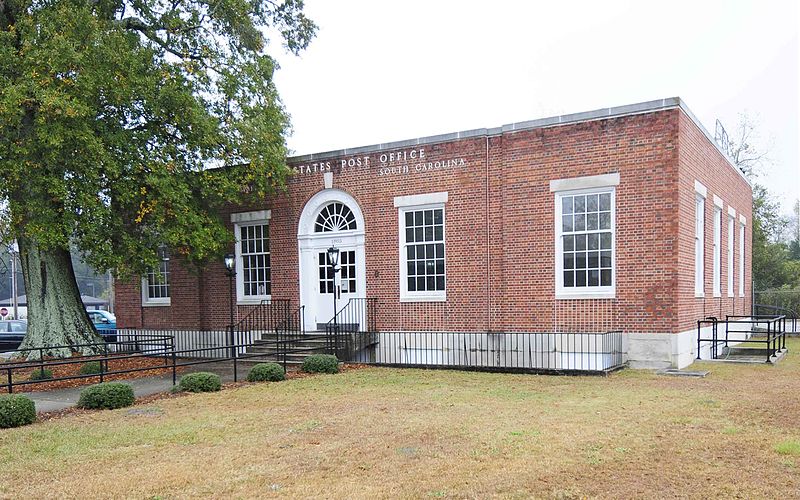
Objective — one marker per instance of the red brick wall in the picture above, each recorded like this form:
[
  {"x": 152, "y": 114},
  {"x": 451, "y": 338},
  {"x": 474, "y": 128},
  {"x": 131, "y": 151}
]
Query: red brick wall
[
  {"x": 700, "y": 160},
  {"x": 643, "y": 150},
  {"x": 499, "y": 224}
]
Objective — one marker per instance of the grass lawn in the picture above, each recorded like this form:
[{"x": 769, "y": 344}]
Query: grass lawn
[{"x": 382, "y": 432}]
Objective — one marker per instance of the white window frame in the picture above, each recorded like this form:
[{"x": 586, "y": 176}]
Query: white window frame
[
  {"x": 586, "y": 292},
  {"x": 699, "y": 239},
  {"x": 731, "y": 249},
  {"x": 414, "y": 203},
  {"x": 717, "y": 248},
  {"x": 244, "y": 219},
  {"x": 148, "y": 301},
  {"x": 742, "y": 223}
]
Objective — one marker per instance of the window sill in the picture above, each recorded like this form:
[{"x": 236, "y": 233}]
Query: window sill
[
  {"x": 157, "y": 304},
  {"x": 253, "y": 301},
  {"x": 699, "y": 295},
  {"x": 424, "y": 298},
  {"x": 565, "y": 295}
]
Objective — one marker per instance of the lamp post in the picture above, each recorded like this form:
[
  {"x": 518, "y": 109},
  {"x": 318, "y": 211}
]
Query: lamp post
[
  {"x": 230, "y": 267},
  {"x": 333, "y": 261}
]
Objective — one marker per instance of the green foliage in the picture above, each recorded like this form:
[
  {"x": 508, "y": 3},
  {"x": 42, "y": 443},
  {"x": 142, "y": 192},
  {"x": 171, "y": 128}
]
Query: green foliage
[
  {"x": 200, "y": 382},
  {"x": 772, "y": 267},
  {"x": 91, "y": 368},
  {"x": 266, "y": 372},
  {"x": 112, "y": 115},
  {"x": 16, "y": 410},
  {"x": 41, "y": 374},
  {"x": 108, "y": 395},
  {"x": 321, "y": 363}
]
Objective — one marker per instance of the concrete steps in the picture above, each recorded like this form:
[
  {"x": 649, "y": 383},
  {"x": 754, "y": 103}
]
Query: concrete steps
[{"x": 267, "y": 349}]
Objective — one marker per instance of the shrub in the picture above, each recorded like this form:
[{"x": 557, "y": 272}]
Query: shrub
[
  {"x": 108, "y": 395},
  {"x": 321, "y": 363},
  {"x": 91, "y": 368},
  {"x": 16, "y": 410},
  {"x": 41, "y": 374},
  {"x": 200, "y": 382},
  {"x": 266, "y": 372}
]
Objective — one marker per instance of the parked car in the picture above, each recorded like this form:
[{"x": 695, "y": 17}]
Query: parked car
[
  {"x": 11, "y": 334},
  {"x": 105, "y": 323}
]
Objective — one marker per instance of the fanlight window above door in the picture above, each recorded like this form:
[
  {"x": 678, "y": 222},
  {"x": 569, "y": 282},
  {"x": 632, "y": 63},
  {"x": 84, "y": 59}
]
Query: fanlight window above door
[{"x": 335, "y": 217}]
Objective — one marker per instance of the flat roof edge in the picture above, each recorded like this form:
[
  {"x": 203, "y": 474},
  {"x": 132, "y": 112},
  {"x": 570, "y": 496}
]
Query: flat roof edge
[
  {"x": 597, "y": 114},
  {"x": 571, "y": 118}
]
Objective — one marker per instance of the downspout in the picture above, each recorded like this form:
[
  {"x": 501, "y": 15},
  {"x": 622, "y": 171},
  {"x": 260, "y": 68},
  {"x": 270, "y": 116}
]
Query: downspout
[{"x": 488, "y": 249}]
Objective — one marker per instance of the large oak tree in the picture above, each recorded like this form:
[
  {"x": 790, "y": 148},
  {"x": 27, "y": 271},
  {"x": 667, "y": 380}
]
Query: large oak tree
[{"x": 115, "y": 118}]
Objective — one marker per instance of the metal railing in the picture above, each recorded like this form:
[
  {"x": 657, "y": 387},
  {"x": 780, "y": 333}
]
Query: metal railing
[
  {"x": 508, "y": 352},
  {"x": 767, "y": 330},
  {"x": 352, "y": 328},
  {"x": 770, "y": 310}
]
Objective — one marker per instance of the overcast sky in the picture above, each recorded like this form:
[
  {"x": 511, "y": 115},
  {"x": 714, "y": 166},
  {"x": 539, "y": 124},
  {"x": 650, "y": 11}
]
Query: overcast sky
[{"x": 387, "y": 71}]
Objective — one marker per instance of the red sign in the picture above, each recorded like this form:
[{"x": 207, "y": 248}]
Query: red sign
[{"x": 3, "y": 312}]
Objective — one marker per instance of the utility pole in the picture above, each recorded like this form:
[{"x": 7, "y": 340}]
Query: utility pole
[
  {"x": 111, "y": 292},
  {"x": 13, "y": 249}
]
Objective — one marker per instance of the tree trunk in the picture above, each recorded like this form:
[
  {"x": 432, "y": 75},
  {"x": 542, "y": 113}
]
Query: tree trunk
[{"x": 56, "y": 314}]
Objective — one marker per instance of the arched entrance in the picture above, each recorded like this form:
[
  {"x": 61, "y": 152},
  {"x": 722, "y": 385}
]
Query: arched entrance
[{"x": 330, "y": 218}]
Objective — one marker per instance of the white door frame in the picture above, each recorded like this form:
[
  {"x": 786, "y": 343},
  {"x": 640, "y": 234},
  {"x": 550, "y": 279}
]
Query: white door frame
[{"x": 310, "y": 243}]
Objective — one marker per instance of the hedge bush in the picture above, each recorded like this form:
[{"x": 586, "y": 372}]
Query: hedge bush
[
  {"x": 321, "y": 363},
  {"x": 266, "y": 372},
  {"x": 200, "y": 382},
  {"x": 39, "y": 374},
  {"x": 108, "y": 395},
  {"x": 91, "y": 368},
  {"x": 16, "y": 410}
]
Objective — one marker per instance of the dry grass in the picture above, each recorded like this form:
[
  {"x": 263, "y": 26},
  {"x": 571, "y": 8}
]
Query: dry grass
[{"x": 413, "y": 433}]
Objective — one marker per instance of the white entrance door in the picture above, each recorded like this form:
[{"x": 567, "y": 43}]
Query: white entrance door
[
  {"x": 331, "y": 218},
  {"x": 343, "y": 284}
]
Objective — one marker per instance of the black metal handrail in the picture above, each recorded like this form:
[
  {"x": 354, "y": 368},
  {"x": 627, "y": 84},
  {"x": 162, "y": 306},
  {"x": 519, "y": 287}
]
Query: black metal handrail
[
  {"x": 770, "y": 310},
  {"x": 352, "y": 328},
  {"x": 773, "y": 327},
  {"x": 288, "y": 333}
]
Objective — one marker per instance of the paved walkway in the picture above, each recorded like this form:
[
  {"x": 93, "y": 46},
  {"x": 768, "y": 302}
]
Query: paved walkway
[{"x": 59, "y": 399}]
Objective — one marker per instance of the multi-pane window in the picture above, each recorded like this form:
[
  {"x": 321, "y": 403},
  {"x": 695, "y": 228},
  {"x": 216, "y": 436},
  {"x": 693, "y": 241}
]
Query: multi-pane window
[
  {"x": 717, "y": 250},
  {"x": 422, "y": 248},
  {"x": 254, "y": 266},
  {"x": 586, "y": 241},
  {"x": 741, "y": 259},
  {"x": 335, "y": 217},
  {"x": 731, "y": 230},
  {"x": 156, "y": 282},
  {"x": 347, "y": 270},
  {"x": 699, "y": 228}
]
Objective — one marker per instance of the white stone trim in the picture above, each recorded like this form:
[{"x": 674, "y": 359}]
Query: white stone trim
[
  {"x": 718, "y": 202},
  {"x": 420, "y": 199},
  {"x": 731, "y": 211},
  {"x": 327, "y": 179},
  {"x": 587, "y": 182},
  {"x": 700, "y": 189},
  {"x": 258, "y": 215},
  {"x": 742, "y": 219}
]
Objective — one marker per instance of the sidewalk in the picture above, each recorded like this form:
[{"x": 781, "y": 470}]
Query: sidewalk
[{"x": 59, "y": 399}]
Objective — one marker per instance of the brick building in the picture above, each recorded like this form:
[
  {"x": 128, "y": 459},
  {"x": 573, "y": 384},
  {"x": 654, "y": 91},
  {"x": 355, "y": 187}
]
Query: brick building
[{"x": 627, "y": 218}]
